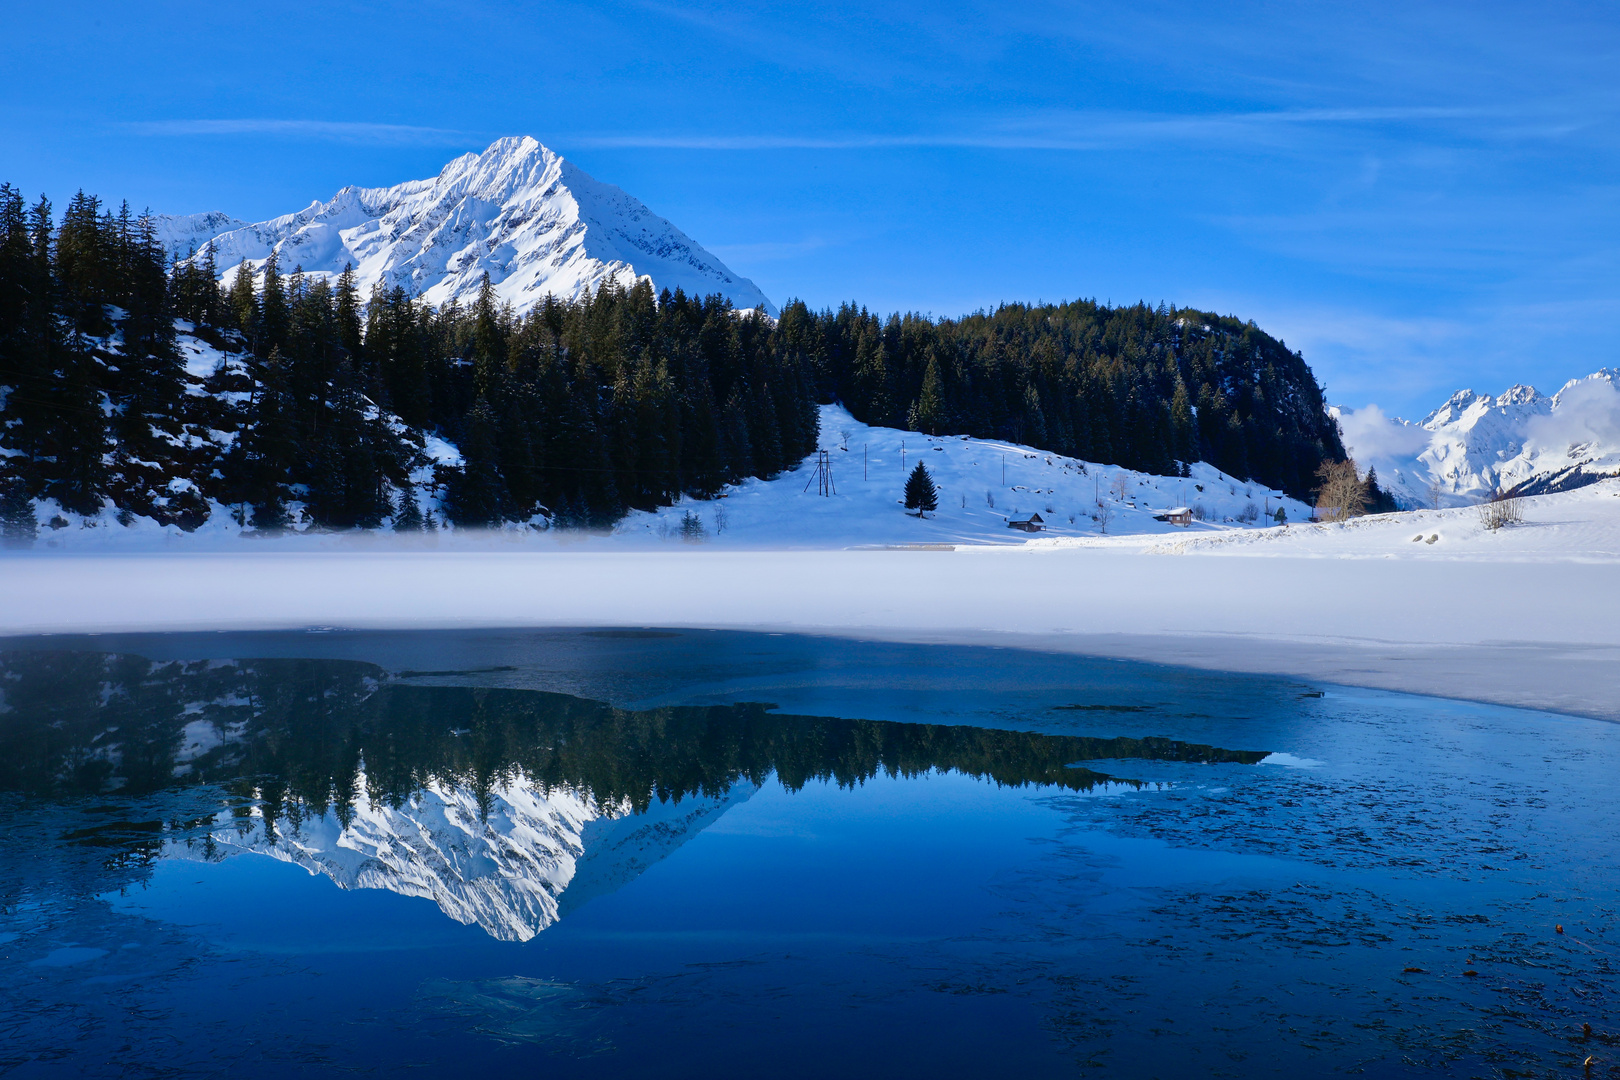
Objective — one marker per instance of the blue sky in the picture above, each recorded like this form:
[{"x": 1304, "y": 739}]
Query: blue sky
[{"x": 1419, "y": 197}]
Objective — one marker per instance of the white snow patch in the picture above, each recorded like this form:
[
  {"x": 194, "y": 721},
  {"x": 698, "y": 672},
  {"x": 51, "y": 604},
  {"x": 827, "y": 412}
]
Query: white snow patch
[
  {"x": 197, "y": 738},
  {"x": 1290, "y": 761}
]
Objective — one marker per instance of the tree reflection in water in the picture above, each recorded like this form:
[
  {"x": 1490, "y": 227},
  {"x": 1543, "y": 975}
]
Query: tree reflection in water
[{"x": 302, "y": 733}]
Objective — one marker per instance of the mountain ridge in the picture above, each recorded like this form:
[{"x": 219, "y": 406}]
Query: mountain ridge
[
  {"x": 535, "y": 222},
  {"x": 1477, "y": 445}
]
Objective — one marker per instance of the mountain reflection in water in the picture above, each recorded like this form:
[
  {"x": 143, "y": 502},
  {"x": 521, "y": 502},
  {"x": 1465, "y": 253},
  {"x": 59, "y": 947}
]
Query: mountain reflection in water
[{"x": 507, "y": 808}]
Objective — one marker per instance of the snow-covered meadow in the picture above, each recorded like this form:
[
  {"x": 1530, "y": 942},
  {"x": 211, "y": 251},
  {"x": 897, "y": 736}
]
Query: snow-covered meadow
[{"x": 1571, "y": 526}]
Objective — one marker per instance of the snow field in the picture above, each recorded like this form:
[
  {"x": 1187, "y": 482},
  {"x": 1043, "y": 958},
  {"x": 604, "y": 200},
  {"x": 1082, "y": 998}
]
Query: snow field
[
  {"x": 1578, "y": 526},
  {"x": 982, "y": 484}
]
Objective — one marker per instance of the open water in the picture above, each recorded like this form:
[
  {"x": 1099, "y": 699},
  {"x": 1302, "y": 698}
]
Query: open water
[{"x": 696, "y": 854}]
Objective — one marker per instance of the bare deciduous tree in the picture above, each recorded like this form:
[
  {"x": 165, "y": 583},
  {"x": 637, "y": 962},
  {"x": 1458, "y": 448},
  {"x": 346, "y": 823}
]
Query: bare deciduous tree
[{"x": 1343, "y": 493}]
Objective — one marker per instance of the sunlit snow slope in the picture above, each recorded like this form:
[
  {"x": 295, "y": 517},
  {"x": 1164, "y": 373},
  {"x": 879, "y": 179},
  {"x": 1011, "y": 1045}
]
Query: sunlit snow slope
[
  {"x": 1580, "y": 526},
  {"x": 983, "y": 485},
  {"x": 534, "y": 222}
]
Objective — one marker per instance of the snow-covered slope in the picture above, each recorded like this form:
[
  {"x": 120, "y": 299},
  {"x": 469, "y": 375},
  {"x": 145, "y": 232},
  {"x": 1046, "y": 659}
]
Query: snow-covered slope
[
  {"x": 983, "y": 483},
  {"x": 1581, "y": 527},
  {"x": 513, "y": 871},
  {"x": 1476, "y": 444},
  {"x": 533, "y": 221}
]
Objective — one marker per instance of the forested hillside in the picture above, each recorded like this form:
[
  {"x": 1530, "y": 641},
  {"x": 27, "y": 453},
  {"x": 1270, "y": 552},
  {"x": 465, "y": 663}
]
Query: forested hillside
[
  {"x": 137, "y": 386},
  {"x": 318, "y": 411},
  {"x": 1135, "y": 386}
]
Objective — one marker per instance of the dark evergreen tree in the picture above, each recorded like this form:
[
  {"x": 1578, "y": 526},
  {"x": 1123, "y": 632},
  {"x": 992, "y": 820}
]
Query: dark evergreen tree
[
  {"x": 346, "y": 314},
  {"x": 408, "y": 515},
  {"x": 266, "y": 449},
  {"x": 274, "y": 315},
  {"x": 476, "y": 496},
  {"x": 921, "y": 495},
  {"x": 1379, "y": 501},
  {"x": 86, "y": 264},
  {"x": 242, "y": 303}
]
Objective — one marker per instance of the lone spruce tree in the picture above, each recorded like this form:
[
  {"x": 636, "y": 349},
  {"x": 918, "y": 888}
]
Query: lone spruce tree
[{"x": 921, "y": 495}]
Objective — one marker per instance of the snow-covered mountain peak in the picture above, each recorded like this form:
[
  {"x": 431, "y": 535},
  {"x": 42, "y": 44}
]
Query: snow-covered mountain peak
[
  {"x": 183, "y": 234},
  {"x": 1519, "y": 394},
  {"x": 534, "y": 222},
  {"x": 1469, "y": 407},
  {"x": 1475, "y": 444}
]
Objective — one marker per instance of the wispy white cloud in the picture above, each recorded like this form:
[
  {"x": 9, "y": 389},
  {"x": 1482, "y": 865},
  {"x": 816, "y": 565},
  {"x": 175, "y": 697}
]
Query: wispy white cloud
[
  {"x": 1588, "y": 413},
  {"x": 1370, "y": 435},
  {"x": 1078, "y": 130},
  {"x": 317, "y": 130}
]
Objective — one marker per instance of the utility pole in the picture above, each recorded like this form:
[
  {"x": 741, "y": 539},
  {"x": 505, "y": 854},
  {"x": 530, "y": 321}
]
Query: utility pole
[
  {"x": 902, "y": 457},
  {"x": 863, "y": 461},
  {"x": 823, "y": 476}
]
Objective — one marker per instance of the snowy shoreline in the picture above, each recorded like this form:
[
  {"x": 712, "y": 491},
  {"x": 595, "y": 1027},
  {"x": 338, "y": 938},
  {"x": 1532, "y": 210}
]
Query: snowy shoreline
[{"x": 1362, "y": 606}]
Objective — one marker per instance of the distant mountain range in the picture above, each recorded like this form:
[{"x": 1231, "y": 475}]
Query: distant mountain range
[
  {"x": 1475, "y": 445},
  {"x": 534, "y": 222}
]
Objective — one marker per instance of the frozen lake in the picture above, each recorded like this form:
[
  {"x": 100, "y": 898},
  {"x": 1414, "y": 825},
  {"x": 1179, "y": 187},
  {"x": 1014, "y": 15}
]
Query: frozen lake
[{"x": 698, "y": 853}]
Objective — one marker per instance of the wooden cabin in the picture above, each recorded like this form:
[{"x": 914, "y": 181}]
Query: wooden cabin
[
  {"x": 1033, "y": 523},
  {"x": 1181, "y": 515}
]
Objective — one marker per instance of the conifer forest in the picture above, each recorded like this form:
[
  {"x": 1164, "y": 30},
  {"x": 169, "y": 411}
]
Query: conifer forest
[{"x": 336, "y": 410}]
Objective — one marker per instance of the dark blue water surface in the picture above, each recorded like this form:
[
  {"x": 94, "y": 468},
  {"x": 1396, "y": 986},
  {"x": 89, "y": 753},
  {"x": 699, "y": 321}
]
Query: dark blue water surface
[{"x": 710, "y": 854}]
